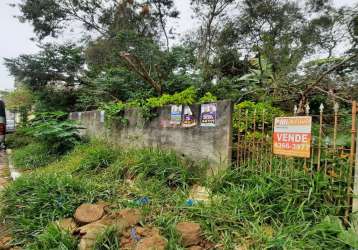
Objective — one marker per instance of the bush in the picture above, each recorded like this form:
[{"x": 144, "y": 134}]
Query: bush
[
  {"x": 34, "y": 200},
  {"x": 31, "y": 156},
  {"x": 54, "y": 238},
  {"x": 54, "y": 129},
  {"x": 18, "y": 139}
]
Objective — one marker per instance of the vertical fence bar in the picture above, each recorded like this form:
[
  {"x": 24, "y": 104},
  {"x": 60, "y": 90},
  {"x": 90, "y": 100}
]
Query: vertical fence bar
[
  {"x": 320, "y": 137},
  {"x": 355, "y": 189},
  {"x": 351, "y": 162},
  {"x": 254, "y": 156},
  {"x": 271, "y": 153},
  {"x": 336, "y": 108},
  {"x": 262, "y": 139},
  {"x": 245, "y": 135},
  {"x": 238, "y": 153}
]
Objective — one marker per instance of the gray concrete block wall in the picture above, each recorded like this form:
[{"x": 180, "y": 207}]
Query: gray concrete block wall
[{"x": 209, "y": 144}]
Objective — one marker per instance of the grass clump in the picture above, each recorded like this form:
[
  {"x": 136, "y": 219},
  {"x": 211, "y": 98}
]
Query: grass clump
[
  {"x": 97, "y": 156},
  {"x": 54, "y": 238},
  {"x": 153, "y": 163},
  {"x": 108, "y": 240},
  {"x": 36, "y": 199},
  {"x": 18, "y": 139},
  {"x": 32, "y": 156}
]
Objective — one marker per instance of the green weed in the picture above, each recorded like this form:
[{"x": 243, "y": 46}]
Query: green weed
[
  {"x": 153, "y": 163},
  {"x": 18, "y": 139},
  {"x": 32, "y": 156},
  {"x": 97, "y": 157},
  {"x": 109, "y": 240},
  {"x": 54, "y": 238},
  {"x": 36, "y": 199}
]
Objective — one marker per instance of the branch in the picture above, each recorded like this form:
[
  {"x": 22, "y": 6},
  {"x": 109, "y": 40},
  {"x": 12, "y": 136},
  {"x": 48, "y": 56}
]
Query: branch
[
  {"x": 313, "y": 85},
  {"x": 332, "y": 94},
  {"x": 137, "y": 66}
]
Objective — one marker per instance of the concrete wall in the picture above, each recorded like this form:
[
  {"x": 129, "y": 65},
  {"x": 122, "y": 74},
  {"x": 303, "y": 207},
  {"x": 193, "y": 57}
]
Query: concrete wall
[{"x": 211, "y": 144}]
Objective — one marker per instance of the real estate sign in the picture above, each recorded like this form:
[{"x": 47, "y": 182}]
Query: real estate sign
[{"x": 292, "y": 136}]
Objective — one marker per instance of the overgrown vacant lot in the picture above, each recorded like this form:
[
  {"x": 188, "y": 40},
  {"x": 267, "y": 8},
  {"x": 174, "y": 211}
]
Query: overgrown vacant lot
[{"x": 245, "y": 209}]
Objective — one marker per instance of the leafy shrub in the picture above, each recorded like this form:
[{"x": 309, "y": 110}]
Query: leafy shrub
[
  {"x": 54, "y": 238},
  {"x": 54, "y": 129},
  {"x": 34, "y": 200},
  {"x": 207, "y": 98},
  {"x": 114, "y": 113},
  {"x": 18, "y": 139},
  {"x": 99, "y": 156},
  {"x": 185, "y": 97},
  {"x": 33, "y": 155},
  {"x": 264, "y": 112}
]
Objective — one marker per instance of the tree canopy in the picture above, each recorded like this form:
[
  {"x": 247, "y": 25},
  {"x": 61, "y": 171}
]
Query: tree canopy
[{"x": 277, "y": 51}]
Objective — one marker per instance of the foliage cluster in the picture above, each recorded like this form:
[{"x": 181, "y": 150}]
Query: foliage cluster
[
  {"x": 262, "y": 112},
  {"x": 55, "y": 130},
  {"x": 115, "y": 111}
]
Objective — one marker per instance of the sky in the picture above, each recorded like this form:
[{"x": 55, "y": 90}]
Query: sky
[{"x": 15, "y": 38}]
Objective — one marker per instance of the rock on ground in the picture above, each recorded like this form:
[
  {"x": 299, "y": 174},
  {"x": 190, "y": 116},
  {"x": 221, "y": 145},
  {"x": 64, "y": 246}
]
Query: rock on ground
[
  {"x": 120, "y": 220},
  {"x": 190, "y": 233},
  {"x": 88, "y": 213},
  {"x": 143, "y": 238}
]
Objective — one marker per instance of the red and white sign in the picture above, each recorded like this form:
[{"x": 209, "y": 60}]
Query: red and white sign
[{"x": 292, "y": 136}]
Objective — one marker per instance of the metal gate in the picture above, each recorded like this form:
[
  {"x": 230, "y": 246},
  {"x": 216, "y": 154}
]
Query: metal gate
[{"x": 332, "y": 148}]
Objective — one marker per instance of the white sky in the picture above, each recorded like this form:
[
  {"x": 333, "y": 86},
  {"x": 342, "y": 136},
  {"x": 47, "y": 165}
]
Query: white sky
[{"x": 15, "y": 36}]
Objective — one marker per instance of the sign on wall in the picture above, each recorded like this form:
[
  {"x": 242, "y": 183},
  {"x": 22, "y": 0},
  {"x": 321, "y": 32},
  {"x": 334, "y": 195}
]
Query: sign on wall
[
  {"x": 208, "y": 115},
  {"x": 188, "y": 118},
  {"x": 292, "y": 136},
  {"x": 175, "y": 114}
]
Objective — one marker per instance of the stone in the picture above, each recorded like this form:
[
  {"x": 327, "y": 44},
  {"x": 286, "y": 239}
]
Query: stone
[
  {"x": 5, "y": 243},
  {"x": 190, "y": 233},
  {"x": 144, "y": 238},
  {"x": 122, "y": 220},
  {"x": 195, "y": 248},
  {"x": 89, "y": 234},
  {"x": 88, "y": 213},
  {"x": 67, "y": 224},
  {"x": 130, "y": 216},
  {"x": 155, "y": 242}
]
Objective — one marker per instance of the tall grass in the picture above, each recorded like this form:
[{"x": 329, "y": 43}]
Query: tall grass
[
  {"x": 32, "y": 156},
  {"x": 54, "y": 238},
  {"x": 288, "y": 209},
  {"x": 36, "y": 199}
]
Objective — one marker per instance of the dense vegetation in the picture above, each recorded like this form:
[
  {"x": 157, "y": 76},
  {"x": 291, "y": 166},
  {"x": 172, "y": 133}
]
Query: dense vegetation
[
  {"x": 269, "y": 210},
  {"x": 280, "y": 52},
  {"x": 265, "y": 55}
]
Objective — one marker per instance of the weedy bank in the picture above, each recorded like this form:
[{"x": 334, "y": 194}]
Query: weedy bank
[{"x": 245, "y": 209}]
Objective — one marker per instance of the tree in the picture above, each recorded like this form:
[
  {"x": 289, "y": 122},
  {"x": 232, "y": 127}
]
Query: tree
[
  {"x": 54, "y": 65},
  {"x": 53, "y": 75},
  {"x": 51, "y": 17},
  {"x": 210, "y": 12},
  {"x": 20, "y": 100}
]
